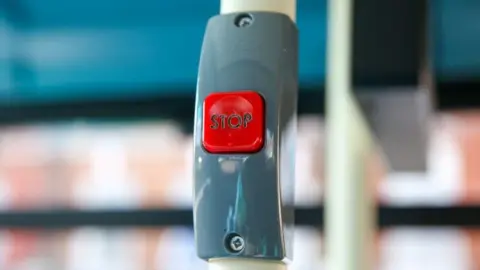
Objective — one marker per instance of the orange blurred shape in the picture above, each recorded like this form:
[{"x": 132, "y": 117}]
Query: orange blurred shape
[
  {"x": 155, "y": 157},
  {"x": 376, "y": 171},
  {"x": 27, "y": 187},
  {"x": 467, "y": 129},
  {"x": 21, "y": 246},
  {"x": 23, "y": 167},
  {"x": 474, "y": 237}
]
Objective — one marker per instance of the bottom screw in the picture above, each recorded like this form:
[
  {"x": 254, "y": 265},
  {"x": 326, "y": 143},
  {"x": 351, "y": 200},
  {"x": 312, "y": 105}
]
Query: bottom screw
[{"x": 236, "y": 243}]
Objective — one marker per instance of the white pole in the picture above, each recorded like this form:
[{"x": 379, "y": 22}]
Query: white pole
[
  {"x": 287, "y": 7},
  {"x": 243, "y": 264},
  {"x": 349, "y": 208}
]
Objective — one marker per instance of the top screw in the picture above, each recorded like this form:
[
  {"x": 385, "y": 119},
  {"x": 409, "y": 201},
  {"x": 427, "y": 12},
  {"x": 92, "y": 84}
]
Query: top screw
[{"x": 244, "y": 20}]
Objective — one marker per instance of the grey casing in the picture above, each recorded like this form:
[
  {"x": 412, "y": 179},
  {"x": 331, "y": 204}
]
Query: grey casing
[{"x": 251, "y": 194}]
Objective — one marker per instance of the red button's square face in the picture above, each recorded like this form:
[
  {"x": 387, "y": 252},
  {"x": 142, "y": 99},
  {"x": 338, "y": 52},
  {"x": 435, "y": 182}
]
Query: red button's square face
[{"x": 233, "y": 122}]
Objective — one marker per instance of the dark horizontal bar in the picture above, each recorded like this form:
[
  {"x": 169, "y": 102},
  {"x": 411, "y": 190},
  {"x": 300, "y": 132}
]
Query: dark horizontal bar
[
  {"x": 465, "y": 216},
  {"x": 460, "y": 94},
  {"x": 180, "y": 107},
  {"x": 455, "y": 216},
  {"x": 72, "y": 218}
]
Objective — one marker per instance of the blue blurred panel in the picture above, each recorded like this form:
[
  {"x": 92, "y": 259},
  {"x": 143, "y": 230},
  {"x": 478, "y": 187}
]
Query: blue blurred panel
[
  {"x": 4, "y": 56},
  {"x": 127, "y": 58},
  {"x": 93, "y": 14},
  {"x": 78, "y": 48},
  {"x": 456, "y": 26},
  {"x": 104, "y": 48}
]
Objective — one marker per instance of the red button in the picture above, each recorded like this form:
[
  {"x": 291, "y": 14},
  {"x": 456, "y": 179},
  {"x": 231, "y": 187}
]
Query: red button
[{"x": 233, "y": 122}]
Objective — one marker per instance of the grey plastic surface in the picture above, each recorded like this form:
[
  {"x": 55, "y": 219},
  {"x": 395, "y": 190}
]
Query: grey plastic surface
[
  {"x": 249, "y": 195},
  {"x": 399, "y": 120}
]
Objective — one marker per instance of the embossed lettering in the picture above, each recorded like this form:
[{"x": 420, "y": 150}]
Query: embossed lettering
[{"x": 232, "y": 121}]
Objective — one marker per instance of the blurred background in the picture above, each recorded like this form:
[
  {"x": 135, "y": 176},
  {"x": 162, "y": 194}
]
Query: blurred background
[{"x": 96, "y": 115}]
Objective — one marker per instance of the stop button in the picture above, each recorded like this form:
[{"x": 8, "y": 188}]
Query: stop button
[{"x": 233, "y": 122}]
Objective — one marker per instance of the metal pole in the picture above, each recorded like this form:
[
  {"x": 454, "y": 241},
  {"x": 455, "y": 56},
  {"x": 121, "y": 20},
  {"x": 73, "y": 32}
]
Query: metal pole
[
  {"x": 287, "y": 7},
  {"x": 242, "y": 264},
  {"x": 348, "y": 205}
]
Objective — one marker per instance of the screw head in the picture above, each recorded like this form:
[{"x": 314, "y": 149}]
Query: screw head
[
  {"x": 237, "y": 243},
  {"x": 244, "y": 20}
]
